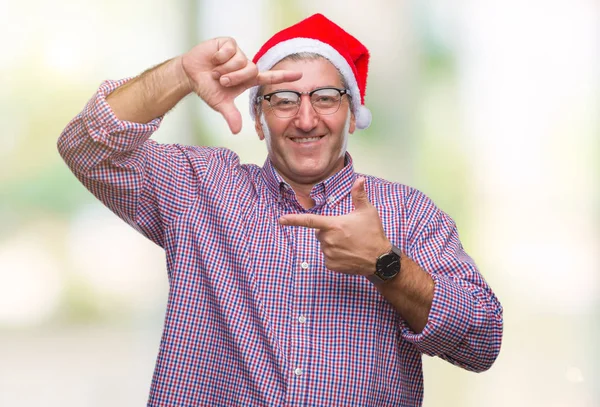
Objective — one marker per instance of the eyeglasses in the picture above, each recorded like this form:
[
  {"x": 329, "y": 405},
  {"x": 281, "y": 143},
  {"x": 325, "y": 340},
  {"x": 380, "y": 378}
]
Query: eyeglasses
[{"x": 286, "y": 103}]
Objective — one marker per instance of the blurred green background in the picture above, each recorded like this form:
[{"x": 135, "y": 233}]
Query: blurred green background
[{"x": 491, "y": 108}]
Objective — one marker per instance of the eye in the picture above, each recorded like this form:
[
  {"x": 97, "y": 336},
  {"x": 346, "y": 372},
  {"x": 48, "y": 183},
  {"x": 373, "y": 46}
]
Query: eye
[
  {"x": 283, "y": 100},
  {"x": 324, "y": 98}
]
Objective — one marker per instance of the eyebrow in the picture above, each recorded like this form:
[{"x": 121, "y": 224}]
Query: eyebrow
[{"x": 318, "y": 87}]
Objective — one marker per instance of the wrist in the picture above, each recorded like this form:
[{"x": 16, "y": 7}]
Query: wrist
[
  {"x": 370, "y": 265},
  {"x": 387, "y": 266},
  {"x": 183, "y": 80}
]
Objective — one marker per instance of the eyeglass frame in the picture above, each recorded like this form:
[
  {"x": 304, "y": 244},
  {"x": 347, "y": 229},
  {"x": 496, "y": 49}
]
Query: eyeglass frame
[{"x": 267, "y": 97}]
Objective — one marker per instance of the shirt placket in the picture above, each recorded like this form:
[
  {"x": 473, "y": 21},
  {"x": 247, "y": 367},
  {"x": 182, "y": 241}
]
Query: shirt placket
[{"x": 301, "y": 342}]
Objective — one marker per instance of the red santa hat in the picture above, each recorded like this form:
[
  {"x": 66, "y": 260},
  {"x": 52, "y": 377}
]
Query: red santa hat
[{"x": 319, "y": 35}]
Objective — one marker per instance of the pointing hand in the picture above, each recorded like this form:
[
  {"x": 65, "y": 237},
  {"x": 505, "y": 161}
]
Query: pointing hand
[{"x": 350, "y": 243}]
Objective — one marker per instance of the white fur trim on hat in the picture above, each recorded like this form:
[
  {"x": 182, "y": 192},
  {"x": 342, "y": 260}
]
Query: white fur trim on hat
[{"x": 297, "y": 45}]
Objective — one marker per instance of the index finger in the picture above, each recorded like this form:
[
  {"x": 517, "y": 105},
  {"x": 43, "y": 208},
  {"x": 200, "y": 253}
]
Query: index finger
[
  {"x": 307, "y": 221},
  {"x": 277, "y": 76}
]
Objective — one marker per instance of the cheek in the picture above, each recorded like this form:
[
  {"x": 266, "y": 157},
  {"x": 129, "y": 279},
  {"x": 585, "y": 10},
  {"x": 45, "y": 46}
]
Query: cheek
[
  {"x": 341, "y": 127},
  {"x": 272, "y": 133}
]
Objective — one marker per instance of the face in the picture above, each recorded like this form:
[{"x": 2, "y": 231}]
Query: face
[{"x": 307, "y": 148}]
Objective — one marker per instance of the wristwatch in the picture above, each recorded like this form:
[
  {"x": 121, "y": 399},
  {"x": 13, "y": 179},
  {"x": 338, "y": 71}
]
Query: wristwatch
[{"x": 386, "y": 267}]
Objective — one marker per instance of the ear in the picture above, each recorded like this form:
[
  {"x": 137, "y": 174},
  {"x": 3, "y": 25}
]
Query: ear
[
  {"x": 258, "y": 127},
  {"x": 352, "y": 126}
]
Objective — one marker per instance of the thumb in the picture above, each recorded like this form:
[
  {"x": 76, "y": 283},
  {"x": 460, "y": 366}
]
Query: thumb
[
  {"x": 231, "y": 114},
  {"x": 359, "y": 195}
]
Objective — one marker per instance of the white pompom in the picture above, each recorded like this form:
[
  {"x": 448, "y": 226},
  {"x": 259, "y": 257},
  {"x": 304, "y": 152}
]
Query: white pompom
[{"x": 363, "y": 117}]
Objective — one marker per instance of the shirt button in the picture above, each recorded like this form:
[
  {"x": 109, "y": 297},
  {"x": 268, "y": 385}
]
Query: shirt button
[
  {"x": 304, "y": 265},
  {"x": 302, "y": 319},
  {"x": 330, "y": 199},
  {"x": 298, "y": 371}
]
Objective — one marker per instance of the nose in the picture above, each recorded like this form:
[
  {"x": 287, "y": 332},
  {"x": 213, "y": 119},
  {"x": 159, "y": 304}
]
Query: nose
[{"x": 307, "y": 118}]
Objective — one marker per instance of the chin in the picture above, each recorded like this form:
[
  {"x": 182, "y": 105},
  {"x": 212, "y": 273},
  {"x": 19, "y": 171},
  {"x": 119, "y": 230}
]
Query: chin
[
  {"x": 308, "y": 172},
  {"x": 311, "y": 172}
]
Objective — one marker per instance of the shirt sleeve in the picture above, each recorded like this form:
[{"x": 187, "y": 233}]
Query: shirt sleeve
[
  {"x": 465, "y": 322},
  {"x": 145, "y": 183}
]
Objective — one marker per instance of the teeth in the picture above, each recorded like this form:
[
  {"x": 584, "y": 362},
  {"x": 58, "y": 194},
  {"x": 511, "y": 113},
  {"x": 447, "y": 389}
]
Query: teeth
[{"x": 306, "y": 139}]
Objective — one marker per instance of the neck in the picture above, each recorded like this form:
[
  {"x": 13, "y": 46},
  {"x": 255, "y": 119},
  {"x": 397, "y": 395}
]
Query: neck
[
  {"x": 303, "y": 189},
  {"x": 302, "y": 192}
]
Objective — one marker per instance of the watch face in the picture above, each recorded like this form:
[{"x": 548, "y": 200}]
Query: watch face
[{"x": 388, "y": 265}]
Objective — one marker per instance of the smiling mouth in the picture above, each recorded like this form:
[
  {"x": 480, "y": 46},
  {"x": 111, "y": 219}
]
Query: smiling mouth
[{"x": 301, "y": 140}]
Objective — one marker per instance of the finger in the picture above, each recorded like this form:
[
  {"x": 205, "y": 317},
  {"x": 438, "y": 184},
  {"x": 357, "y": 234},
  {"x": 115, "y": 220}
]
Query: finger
[
  {"x": 239, "y": 61},
  {"x": 244, "y": 76},
  {"x": 226, "y": 49},
  {"x": 231, "y": 114},
  {"x": 359, "y": 195},
  {"x": 307, "y": 221},
  {"x": 277, "y": 76}
]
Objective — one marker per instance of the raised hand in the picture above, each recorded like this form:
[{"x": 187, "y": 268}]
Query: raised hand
[
  {"x": 350, "y": 243},
  {"x": 219, "y": 71}
]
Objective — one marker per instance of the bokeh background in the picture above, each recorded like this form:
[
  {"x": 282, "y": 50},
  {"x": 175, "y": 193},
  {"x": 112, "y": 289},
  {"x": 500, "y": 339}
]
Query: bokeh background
[{"x": 491, "y": 108}]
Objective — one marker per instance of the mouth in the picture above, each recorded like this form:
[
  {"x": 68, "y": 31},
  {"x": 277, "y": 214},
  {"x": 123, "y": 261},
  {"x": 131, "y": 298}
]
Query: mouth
[{"x": 305, "y": 140}]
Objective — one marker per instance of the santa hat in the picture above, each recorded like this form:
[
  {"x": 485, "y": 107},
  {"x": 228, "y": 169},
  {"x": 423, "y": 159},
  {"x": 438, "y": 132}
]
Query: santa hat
[{"x": 319, "y": 35}]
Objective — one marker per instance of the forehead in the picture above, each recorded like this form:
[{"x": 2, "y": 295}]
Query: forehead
[{"x": 316, "y": 73}]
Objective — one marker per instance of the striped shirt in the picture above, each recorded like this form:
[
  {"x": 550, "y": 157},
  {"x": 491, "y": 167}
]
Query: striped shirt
[{"x": 253, "y": 317}]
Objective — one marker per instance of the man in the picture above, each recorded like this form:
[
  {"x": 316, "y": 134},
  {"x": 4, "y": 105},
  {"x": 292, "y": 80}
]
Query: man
[{"x": 298, "y": 283}]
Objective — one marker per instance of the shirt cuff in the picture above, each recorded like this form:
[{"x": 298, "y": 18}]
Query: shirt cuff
[
  {"x": 105, "y": 128},
  {"x": 449, "y": 319}
]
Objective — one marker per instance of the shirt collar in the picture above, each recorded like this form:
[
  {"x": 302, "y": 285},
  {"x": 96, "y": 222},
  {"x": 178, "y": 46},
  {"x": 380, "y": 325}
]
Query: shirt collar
[{"x": 330, "y": 190}]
